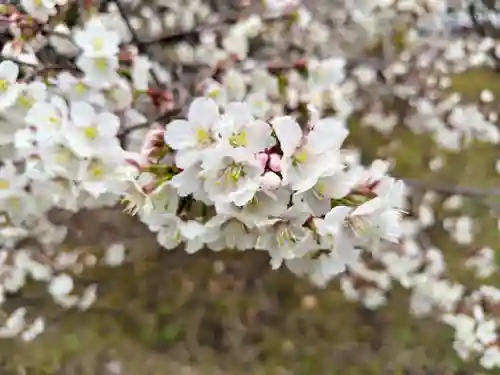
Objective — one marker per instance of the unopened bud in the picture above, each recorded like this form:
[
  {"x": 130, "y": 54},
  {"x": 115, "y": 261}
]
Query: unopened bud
[
  {"x": 275, "y": 162},
  {"x": 262, "y": 158},
  {"x": 271, "y": 180}
]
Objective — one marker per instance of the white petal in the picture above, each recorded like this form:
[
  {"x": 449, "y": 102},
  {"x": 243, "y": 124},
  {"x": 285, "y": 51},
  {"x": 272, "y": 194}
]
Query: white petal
[
  {"x": 82, "y": 113},
  {"x": 9, "y": 70},
  {"x": 241, "y": 113},
  {"x": 335, "y": 218},
  {"x": 204, "y": 112},
  {"x": 108, "y": 124},
  {"x": 328, "y": 135},
  {"x": 289, "y": 134},
  {"x": 178, "y": 135}
]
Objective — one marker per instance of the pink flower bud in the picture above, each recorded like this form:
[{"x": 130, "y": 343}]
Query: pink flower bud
[
  {"x": 262, "y": 158},
  {"x": 270, "y": 181},
  {"x": 275, "y": 162}
]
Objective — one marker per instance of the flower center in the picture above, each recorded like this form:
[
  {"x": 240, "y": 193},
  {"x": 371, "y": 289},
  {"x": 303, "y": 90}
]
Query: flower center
[
  {"x": 300, "y": 157},
  {"x": 101, "y": 64},
  {"x": 285, "y": 236},
  {"x": 4, "y": 184},
  {"x": 91, "y": 132},
  {"x": 15, "y": 203},
  {"x": 319, "y": 190},
  {"x": 98, "y": 44},
  {"x": 63, "y": 156},
  {"x": 3, "y": 85},
  {"x": 53, "y": 120},
  {"x": 203, "y": 138},
  {"x": 214, "y": 93},
  {"x": 231, "y": 175},
  {"x": 239, "y": 139},
  {"x": 25, "y": 101},
  {"x": 97, "y": 171},
  {"x": 80, "y": 88}
]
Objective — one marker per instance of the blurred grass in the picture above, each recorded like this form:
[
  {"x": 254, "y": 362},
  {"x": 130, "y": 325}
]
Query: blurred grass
[{"x": 173, "y": 308}]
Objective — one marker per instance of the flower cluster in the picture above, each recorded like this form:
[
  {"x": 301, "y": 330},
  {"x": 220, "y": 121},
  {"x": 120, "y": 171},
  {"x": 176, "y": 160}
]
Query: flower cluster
[
  {"x": 232, "y": 180},
  {"x": 60, "y": 150}
]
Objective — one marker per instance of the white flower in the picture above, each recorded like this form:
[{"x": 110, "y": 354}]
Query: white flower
[
  {"x": 9, "y": 89},
  {"x": 482, "y": 263},
  {"x": 305, "y": 159},
  {"x": 491, "y": 357},
  {"x": 259, "y": 209},
  {"x": 342, "y": 254},
  {"x": 334, "y": 222},
  {"x": 99, "y": 176},
  {"x": 192, "y": 137},
  {"x": 230, "y": 175},
  {"x": 88, "y": 297},
  {"x": 61, "y": 285},
  {"x": 59, "y": 160},
  {"x": 73, "y": 88},
  {"x": 48, "y": 119},
  {"x": 286, "y": 238},
  {"x": 91, "y": 134},
  {"x": 231, "y": 233},
  {"x": 164, "y": 199},
  {"x": 326, "y": 73},
  {"x": 114, "y": 255},
  {"x": 240, "y": 129},
  {"x": 40, "y": 9},
  {"x": 259, "y": 103},
  {"x": 236, "y": 42},
  {"x": 34, "y": 330},
  {"x": 14, "y": 324},
  {"x": 29, "y": 94},
  {"x": 134, "y": 196},
  {"x": 174, "y": 231},
  {"x": 96, "y": 40},
  {"x": 140, "y": 73},
  {"x": 376, "y": 218},
  {"x": 189, "y": 182},
  {"x": 11, "y": 183},
  {"x": 278, "y": 7},
  {"x": 99, "y": 71},
  {"x": 234, "y": 84},
  {"x": 335, "y": 185}
]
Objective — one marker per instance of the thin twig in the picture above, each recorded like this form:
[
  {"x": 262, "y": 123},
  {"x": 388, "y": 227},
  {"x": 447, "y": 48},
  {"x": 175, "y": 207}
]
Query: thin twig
[
  {"x": 39, "y": 69},
  {"x": 19, "y": 62},
  {"x": 123, "y": 134},
  {"x": 215, "y": 26},
  {"x": 136, "y": 40}
]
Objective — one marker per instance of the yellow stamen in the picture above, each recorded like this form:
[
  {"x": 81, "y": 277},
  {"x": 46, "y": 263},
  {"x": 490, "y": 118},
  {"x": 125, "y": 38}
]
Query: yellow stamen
[
  {"x": 80, "y": 88},
  {"x": 3, "y": 85},
  {"x": 101, "y": 64},
  {"x": 239, "y": 140},
  {"x": 91, "y": 132},
  {"x": 98, "y": 44},
  {"x": 300, "y": 156},
  {"x": 203, "y": 138}
]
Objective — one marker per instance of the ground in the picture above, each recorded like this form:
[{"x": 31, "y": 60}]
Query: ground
[{"x": 226, "y": 313}]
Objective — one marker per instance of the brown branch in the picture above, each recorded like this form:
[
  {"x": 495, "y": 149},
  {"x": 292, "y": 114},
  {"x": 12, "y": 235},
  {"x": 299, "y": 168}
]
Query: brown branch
[
  {"x": 215, "y": 26},
  {"x": 136, "y": 40}
]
